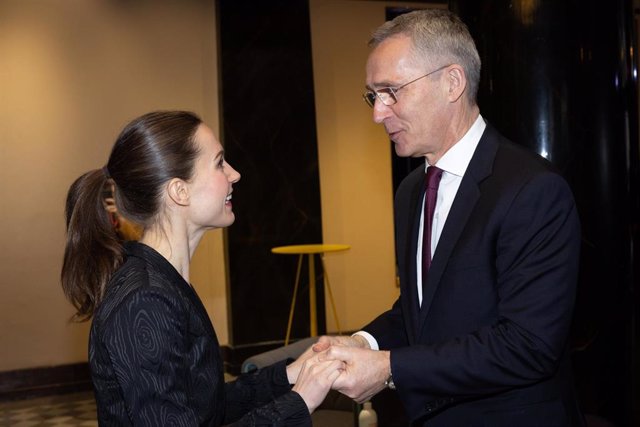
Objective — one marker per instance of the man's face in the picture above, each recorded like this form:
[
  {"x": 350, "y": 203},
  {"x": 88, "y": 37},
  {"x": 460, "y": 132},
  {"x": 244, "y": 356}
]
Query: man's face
[{"x": 417, "y": 122}]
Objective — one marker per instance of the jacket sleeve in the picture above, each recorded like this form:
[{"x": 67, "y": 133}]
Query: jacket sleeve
[
  {"x": 264, "y": 397},
  {"x": 389, "y": 328}
]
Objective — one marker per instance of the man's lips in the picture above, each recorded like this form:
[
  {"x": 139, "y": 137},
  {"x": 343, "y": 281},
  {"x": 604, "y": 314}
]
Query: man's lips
[{"x": 393, "y": 133}]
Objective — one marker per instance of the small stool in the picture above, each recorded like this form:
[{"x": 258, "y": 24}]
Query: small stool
[{"x": 310, "y": 250}]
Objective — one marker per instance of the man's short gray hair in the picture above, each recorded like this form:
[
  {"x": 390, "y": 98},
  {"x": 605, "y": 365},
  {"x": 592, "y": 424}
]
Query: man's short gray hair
[{"x": 439, "y": 38}]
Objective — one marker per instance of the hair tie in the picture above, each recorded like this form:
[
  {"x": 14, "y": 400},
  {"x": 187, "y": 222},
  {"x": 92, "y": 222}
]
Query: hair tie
[{"x": 106, "y": 172}]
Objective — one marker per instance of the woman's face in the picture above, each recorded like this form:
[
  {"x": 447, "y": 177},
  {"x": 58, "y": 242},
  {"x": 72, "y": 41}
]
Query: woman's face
[{"x": 212, "y": 184}]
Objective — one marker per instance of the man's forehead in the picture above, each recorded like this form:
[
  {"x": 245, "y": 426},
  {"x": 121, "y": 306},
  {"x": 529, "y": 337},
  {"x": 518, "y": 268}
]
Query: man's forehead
[{"x": 389, "y": 65}]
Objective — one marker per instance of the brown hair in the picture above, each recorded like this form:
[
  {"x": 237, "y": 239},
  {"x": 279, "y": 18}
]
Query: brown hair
[
  {"x": 151, "y": 150},
  {"x": 439, "y": 38}
]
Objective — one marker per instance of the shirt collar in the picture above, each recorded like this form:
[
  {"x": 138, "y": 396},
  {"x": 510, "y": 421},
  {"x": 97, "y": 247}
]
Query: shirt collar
[{"x": 457, "y": 158}]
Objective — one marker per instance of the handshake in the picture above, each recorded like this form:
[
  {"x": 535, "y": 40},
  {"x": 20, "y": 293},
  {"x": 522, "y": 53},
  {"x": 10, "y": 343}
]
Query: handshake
[{"x": 346, "y": 364}]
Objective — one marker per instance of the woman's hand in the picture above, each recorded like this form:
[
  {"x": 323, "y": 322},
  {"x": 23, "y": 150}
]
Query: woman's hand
[
  {"x": 293, "y": 369},
  {"x": 316, "y": 378}
]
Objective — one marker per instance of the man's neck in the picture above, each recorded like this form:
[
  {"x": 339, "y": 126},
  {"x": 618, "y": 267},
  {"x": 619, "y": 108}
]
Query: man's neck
[{"x": 459, "y": 125}]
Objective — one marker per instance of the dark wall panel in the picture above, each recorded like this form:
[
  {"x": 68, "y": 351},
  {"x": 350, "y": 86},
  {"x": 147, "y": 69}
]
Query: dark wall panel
[
  {"x": 269, "y": 135},
  {"x": 560, "y": 78}
]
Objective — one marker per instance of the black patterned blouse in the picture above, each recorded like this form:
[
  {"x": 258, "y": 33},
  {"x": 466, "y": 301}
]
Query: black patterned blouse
[{"x": 155, "y": 358}]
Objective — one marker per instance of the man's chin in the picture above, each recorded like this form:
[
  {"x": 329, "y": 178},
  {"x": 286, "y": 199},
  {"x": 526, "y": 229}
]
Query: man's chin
[{"x": 401, "y": 150}]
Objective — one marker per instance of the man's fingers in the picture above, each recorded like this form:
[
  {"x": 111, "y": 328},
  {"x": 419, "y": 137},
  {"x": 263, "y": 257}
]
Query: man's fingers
[
  {"x": 322, "y": 344},
  {"x": 327, "y": 341},
  {"x": 340, "y": 353},
  {"x": 334, "y": 375}
]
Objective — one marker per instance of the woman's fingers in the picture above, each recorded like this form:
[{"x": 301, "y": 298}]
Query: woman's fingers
[{"x": 315, "y": 380}]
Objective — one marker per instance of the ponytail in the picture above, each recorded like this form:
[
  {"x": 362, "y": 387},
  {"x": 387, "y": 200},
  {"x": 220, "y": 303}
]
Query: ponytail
[
  {"x": 149, "y": 151},
  {"x": 93, "y": 250}
]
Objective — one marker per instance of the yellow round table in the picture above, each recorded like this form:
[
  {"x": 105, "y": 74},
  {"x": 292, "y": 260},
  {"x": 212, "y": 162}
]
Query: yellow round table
[{"x": 310, "y": 250}]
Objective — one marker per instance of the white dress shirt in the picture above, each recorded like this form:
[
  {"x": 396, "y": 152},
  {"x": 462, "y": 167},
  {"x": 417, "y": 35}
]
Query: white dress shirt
[{"x": 454, "y": 164}]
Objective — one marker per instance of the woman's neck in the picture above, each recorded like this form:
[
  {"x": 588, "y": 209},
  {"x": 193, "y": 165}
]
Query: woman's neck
[{"x": 175, "y": 243}]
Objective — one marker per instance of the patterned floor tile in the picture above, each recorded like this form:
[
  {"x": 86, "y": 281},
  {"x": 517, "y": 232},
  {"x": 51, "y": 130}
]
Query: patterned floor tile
[{"x": 69, "y": 410}]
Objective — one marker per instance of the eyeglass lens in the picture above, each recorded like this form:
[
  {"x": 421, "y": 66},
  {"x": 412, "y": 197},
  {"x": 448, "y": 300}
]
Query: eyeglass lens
[
  {"x": 385, "y": 95},
  {"x": 370, "y": 98}
]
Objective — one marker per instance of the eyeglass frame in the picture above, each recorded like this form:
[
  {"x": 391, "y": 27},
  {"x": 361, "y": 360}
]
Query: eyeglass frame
[{"x": 370, "y": 96}]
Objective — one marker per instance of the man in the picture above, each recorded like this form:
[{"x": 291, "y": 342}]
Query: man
[{"x": 479, "y": 333}]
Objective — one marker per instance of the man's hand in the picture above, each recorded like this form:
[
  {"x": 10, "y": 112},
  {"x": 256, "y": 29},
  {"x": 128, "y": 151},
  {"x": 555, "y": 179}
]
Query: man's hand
[
  {"x": 327, "y": 341},
  {"x": 365, "y": 373}
]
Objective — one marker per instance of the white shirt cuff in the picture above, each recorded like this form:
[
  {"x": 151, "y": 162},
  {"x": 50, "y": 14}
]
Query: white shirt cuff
[{"x": 370, "y": 339}]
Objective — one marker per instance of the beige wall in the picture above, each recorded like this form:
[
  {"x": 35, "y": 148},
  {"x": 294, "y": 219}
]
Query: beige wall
[
  {"x": 355, "y": 162},
  {"x": 72, "y": 73}
]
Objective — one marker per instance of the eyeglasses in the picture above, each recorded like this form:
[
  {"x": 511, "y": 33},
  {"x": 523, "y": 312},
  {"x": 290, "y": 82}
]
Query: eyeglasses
[{"x": 388, "y": 95}]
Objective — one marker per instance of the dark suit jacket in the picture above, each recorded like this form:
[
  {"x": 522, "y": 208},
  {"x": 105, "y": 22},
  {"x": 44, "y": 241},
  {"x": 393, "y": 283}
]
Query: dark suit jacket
[
  {"x": 489, "y": 345},
  {"x": 155, "y": 358}
]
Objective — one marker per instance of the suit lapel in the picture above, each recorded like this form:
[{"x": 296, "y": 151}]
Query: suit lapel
[
  {"x": 408, "y": 235},
  {"x": 464, "y": 202},
  {"x": 411, "y": 303}
]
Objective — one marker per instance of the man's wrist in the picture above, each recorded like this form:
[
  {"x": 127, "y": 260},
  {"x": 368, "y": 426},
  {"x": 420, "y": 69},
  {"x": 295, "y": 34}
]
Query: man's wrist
[
  {"x": 371, "y": 342},
  {"x": 361, "y": 341},
  {"x": 389, "y": 381}
]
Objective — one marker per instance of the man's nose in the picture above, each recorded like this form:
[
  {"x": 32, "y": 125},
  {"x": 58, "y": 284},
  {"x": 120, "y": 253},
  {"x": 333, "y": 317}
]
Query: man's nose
[{"x": 380, "y": 111}]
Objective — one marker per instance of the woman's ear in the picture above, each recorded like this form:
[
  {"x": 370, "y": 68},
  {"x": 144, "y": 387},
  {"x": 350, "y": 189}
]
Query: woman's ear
[
  {"x": 178, "y": 192},
  {"x": 457, "y": 80}
]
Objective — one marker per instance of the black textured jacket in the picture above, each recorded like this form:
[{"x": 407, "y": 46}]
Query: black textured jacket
[{"x": 155, "y": 359}]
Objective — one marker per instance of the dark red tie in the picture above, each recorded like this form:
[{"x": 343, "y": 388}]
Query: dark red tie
[{"x": 431, "y": 193}]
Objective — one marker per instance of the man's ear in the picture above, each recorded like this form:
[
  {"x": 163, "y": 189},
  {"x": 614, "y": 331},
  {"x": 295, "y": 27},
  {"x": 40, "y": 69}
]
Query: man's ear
[
  {"x": 178, "y": 192},
  {"x": 457, "y": 80}
]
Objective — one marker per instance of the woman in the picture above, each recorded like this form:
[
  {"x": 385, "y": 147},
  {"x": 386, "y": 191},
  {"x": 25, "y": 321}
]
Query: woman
[{"x": 153, "y": 353}]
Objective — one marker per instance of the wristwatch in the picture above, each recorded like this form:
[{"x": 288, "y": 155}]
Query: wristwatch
[{"x": 389, "y": 382}]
